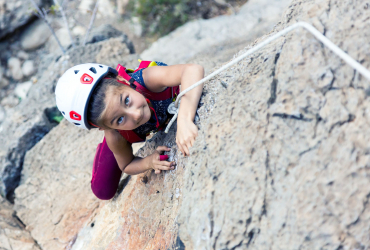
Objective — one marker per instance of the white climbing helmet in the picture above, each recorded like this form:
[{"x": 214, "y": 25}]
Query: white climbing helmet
[{"x": 74, "y": 89}]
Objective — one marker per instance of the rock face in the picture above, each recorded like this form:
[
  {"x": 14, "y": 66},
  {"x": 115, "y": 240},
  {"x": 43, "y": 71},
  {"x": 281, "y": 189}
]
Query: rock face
[
  {"x": 298, "y": 177},
  {"x": 254, "y": 19},
  {"x": 14, "y": 14},
  {"x": 12, "y": 232},
  {"x": 51, "y": 171},
  {"x": 281, "y": 160}
]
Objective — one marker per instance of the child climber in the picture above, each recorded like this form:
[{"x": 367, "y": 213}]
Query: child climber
[{"x": 128, "y": 105}]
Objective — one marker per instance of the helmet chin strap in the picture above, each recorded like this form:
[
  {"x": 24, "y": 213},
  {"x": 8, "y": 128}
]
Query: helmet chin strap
[{"x": 92, "y": 124}]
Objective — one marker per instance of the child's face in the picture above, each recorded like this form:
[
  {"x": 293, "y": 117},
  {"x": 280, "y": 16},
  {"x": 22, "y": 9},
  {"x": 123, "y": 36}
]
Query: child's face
[{"x": 126, "y": 109}]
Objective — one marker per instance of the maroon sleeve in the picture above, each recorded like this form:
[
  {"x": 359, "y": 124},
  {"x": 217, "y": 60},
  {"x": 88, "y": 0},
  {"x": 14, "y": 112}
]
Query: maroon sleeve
[{"x": 106, "y": 173}]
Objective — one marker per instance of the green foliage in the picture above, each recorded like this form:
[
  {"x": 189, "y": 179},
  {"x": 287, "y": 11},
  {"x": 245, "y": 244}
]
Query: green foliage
[
  {"x": 160, "y": 16},
  {"x": 54, "y": 9}
]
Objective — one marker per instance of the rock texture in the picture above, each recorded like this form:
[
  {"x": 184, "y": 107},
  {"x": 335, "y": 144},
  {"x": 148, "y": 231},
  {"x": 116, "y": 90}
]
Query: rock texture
[
  {"x": 12, "y": 233},
  {"x": 255, "y": 18},
  {"x": 51, "y": 185},
  {"x": 281, "y": 160},
  {"x": 14, "y": 14},
  {"x": 35, "y": 35},
  {"x": 298, "y": 177}
]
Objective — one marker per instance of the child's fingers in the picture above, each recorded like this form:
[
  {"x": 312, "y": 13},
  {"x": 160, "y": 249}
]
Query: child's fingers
[
  {"x": 186, "y": 150},
  {"x": 192, "y": 142},
  {"x": 165, "y": 165}
]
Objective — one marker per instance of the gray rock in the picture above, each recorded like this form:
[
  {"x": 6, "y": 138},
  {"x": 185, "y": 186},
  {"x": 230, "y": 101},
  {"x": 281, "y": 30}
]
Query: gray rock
[
  {"x": 13, "y": 235},
  {"x": 14, "y": 14},
  {"x": 22, "y": 89},
  {"x": 10, "y": 101},
  {"x": 2, "y": 114},
  {"x": 256, "y": 18},
  {"x": 14, "y": 66},
  {"x": 103, "y": 32},
  {"x": 79, "y": 31},
  {"x": 63, "y": 37},
  {"x": 4, "y": 82},
  {"x": 87, "y": 6},
  {"x": 23, "y": 55},
  {"x": 35, "y": 35},
  {"x": 281, "y": 159},
  {"x": 69, "y": 178},
  {"x": 28, "y": 68},
  {"x": 121, "y": 6}
]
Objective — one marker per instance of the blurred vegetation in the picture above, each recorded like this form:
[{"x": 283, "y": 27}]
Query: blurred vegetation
[{"x": 159, "y": 17}]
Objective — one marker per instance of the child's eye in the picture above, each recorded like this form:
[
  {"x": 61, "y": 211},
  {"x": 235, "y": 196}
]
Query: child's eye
[
  {"x": 127, "y": 101},
  {"x": 120, "y": 120}
]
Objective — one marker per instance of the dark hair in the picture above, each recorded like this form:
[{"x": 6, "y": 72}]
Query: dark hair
[{"x": 97, "y": 103}]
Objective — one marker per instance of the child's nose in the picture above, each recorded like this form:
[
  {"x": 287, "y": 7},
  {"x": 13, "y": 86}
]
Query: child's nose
[{"x": 135, "y": 115}]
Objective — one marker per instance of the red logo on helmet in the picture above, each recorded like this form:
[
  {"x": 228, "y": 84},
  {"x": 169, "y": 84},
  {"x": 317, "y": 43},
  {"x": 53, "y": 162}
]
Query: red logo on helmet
[
  {"x": 86, "y": 79},
  {"x": 75, "y": 116}
]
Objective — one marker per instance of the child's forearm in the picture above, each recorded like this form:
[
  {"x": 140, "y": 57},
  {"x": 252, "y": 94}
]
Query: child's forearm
[
  {"x": 137, "y": 166},
  {"x": 189, "y": 102}
]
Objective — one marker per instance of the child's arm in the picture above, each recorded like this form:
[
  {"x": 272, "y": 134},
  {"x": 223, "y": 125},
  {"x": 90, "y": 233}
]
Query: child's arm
[
  {"x": 130, "y": 164},
  {"x": 157, "y": 78}
]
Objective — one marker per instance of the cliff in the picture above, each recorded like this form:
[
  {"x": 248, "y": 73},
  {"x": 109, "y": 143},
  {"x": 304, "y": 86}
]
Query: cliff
[{"x": 281, "y": 160}]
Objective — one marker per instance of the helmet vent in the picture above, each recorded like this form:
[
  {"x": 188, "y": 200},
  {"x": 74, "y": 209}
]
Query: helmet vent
[
  {"x": 92, "y": 69},
  {"x": 100, "y": 66},
  {"x": 77, "y": 124},
  {"x": 63, "y": 113},
  {"x": 76, "y": 71}
]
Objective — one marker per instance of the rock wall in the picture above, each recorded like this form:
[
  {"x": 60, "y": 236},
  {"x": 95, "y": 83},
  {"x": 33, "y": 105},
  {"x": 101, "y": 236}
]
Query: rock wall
[
  {"x": 54, "y": 198},
  {"x": 297, "y": 178},
  {"x": 12, "y": 232},
  {"x": 281, "y": 161}
]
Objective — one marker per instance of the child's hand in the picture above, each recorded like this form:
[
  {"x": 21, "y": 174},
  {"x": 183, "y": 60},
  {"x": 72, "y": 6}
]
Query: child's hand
[
  {"x": 187, "y": 131},
  {"x": 157, "y": 164}
]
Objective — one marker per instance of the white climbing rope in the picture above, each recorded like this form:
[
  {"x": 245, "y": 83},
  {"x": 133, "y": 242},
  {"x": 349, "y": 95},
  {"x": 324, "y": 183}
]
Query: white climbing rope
[{"x": 353, "y": 63}]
